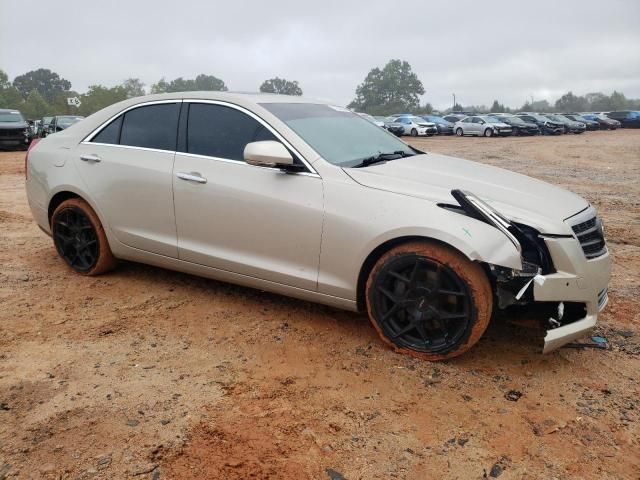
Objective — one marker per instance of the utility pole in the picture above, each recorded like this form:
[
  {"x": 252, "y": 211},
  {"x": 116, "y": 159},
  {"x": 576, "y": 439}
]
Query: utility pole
[{"x": 454, "y": 102}]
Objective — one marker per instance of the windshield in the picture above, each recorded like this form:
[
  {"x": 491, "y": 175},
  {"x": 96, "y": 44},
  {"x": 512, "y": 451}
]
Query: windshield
[
  {"x": 338, "y": 135},
  {"x": 11, "y": 117},
  {"x": 68, "y": 121}
]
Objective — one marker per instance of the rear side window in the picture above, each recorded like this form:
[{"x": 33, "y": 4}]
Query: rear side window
[
  {"x": 223, "y": 132},
  {"x": 151, "y": 126},
  {"x": 110, "y": 134}
]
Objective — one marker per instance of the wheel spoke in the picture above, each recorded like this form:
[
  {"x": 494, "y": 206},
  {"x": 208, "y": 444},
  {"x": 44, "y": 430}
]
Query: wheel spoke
[
  {"x": 400, "y": 277},
  {"x": 452, "y": 316},
  {"x": 389, "y": 295},
  {"x": 444, "y": 291}
]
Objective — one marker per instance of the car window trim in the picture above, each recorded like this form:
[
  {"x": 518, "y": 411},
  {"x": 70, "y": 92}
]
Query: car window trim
[
  {"x": 103, "y": 125},
  {"x": 310, "y": 170}
]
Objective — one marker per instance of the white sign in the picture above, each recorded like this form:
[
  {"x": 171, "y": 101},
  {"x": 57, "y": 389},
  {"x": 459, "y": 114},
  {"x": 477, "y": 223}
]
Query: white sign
[{"x": 74, "y": 101}]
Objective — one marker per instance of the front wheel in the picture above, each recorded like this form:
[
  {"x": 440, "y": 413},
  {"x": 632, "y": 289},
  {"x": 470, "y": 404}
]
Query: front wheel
[
  {"x": 488, "y": 132},
  {"x": 427, "y": 300},
  {"x": 515, "y": 132},
  {"x": 80, "y": 239},
  {"x": 414, "y": 132},
  {"x": 459, "y": 132}
]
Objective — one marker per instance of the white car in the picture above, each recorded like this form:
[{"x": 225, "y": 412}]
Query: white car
[
  {"x": 307, "y": 199},
  {"x": 482, "y": 126},
  {"x": 366, "y": 116},
  {"x": 416, "y": 126}
]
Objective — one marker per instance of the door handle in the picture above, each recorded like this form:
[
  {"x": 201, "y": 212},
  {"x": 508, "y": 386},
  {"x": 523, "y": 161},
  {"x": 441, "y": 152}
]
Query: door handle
[
  {"x": 90, "y": 157},
  {"x": 191, "y": 177}
]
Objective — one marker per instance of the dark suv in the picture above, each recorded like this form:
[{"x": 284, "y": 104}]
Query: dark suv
[
  {"x": 15, "y": 132},
  {"x": 546, "y": 125},
  {"x": 627, "y": 118}
]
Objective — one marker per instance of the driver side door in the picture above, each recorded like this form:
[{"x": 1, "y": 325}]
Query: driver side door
[{"x": 241, "y": 218}]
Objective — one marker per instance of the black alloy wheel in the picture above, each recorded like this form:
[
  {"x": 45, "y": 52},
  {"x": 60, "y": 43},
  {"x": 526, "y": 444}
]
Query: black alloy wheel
[
  {"x": 76, "y": 239},
  {"x": 422, "y": 304}
]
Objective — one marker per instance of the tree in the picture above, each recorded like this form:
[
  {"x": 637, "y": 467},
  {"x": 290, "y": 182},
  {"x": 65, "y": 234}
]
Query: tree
[
  {"x": 395, "y": 88},
  {"x": 570, "y": 103},
  {"x": 497, "y": 107},
  {"x": 43, "y": 80},
  {"x": 201, "y": 82},
  {"x": 4, "y": 81},
  {"x": 134, "y": 87},
  {"x": 209, "y": 83},
  {"x": 35, "y": 106},
  {"x": 281, "y": 86},
  {"x": 99, "y": 96},
  {"x": 9, "y": 96}
]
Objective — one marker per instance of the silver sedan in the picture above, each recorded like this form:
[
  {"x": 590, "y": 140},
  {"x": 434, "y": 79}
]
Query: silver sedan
[
  {"x": 481, "y": 126},
  {"x": 310, "y": 200}
]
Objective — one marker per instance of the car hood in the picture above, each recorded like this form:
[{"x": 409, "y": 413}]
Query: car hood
[
  {"x": 13, "y": 125},
  {"x": 432, "y": 177}
]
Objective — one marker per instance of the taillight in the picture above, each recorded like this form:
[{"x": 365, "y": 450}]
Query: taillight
[{"x": 26, "y": 157}]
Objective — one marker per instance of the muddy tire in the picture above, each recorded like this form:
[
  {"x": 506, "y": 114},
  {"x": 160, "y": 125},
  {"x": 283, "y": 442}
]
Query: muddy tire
[
  {"x": 79, "y": 238},
  {"x": 459, "y": 132},
  {"x": 427, "y": 300},
  {"x": 414, "y": 132},
  {"x": 488, "y": 132}
]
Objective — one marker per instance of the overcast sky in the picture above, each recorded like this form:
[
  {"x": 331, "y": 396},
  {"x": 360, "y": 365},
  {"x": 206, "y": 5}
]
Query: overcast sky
[{"x": 481, "y": 51}]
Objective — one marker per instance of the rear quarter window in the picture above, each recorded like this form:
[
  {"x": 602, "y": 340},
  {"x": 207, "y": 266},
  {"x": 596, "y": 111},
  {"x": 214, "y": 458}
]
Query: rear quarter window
[{"x": 151, "y": 126}]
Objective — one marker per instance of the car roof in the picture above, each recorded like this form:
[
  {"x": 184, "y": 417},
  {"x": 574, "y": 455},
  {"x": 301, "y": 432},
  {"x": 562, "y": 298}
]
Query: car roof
[{"x": 9, "y": 110}]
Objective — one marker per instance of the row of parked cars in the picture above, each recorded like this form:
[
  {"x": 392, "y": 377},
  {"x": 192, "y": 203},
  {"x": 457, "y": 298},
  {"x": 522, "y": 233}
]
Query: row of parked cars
[
  {"x": 17, "y": 132},
  {"x": 503, "y": 124}
]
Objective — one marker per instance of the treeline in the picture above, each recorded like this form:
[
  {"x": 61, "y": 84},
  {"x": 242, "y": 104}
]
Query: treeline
[
  {"x": 41, "y": 92},
  {"x": 395, "y": 88}
]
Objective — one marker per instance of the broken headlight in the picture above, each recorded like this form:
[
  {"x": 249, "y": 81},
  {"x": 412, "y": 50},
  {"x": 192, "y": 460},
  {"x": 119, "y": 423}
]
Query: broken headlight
[{"x": 533, "y": 251}]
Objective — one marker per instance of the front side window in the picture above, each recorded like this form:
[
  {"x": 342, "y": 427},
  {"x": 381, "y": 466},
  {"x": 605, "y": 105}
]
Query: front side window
[
  {"x": 151, "y": 126},
  {"x": 222, "y": 132},
  {"x": 338, "y": 135}
]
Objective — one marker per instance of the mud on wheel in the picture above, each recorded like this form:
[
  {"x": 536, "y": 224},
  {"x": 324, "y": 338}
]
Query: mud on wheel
[
  {"x": 428, "y": 300},
  {"x": 80, "y": 239}
]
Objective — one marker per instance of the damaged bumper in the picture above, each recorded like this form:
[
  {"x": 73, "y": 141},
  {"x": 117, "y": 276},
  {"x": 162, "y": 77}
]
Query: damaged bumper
[{"x": 576, "y": 280}]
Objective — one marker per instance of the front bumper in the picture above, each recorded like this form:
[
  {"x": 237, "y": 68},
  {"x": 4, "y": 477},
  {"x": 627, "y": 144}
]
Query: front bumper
[{"x": 576, "y": 280}]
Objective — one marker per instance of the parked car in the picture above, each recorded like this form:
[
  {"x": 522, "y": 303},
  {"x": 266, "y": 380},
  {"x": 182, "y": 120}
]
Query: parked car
[
  {"x": 444, "y": 126},
  {"x": 605, "y": 122},
  {"x": 455, "y": 117},
  {"x": 61, "y": 122},
  {"x": 416, "y": 126},
  {"x": 518, "y": 125},
  {"x": 43, "y": 127},
  {"x": 359, "y": 219},
  {"x": 393, "y": 126},
  {"x": 373, "y": 120},
  {"x": 481, "y": 125},
  {"x": 627, "y": 118},
  {"x": 15, "y": 132},
  {"x": 570, "y": 126},
  {"x": 546, "y": 125},
  {"x": 576, "y": 117}
]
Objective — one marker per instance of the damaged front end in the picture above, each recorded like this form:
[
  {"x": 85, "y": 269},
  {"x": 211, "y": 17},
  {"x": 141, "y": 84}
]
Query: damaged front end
[{"x": 559, "y": 278}]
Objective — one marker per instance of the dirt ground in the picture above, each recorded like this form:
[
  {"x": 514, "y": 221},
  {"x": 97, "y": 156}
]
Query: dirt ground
[{"x": 149, "y": 374}]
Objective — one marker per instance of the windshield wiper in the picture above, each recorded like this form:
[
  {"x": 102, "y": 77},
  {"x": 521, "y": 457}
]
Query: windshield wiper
[{"x": 382, "y": 157}]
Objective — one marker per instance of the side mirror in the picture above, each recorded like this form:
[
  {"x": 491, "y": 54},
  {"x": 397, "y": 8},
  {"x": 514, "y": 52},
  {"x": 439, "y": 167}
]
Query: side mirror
[{"x": 267, "y": 153}]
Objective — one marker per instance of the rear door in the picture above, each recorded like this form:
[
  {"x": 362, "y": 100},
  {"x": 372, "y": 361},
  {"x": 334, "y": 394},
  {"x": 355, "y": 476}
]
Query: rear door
[
  {"x": 127, "y": 168},
  {"x": 241, "y": 218}
]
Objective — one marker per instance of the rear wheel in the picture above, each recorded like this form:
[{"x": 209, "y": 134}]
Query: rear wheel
[
  {"x": 488, "y": 132},
  {"x": 459, "y": 132},
  {"x": 427, "y": 300},
  {"x": 80, "y": 239},
  {"x": 515, "y": 132}
]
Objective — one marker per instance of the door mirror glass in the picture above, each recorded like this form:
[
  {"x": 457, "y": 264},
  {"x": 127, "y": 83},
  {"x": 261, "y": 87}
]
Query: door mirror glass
[{"x": 267, "y": 153}]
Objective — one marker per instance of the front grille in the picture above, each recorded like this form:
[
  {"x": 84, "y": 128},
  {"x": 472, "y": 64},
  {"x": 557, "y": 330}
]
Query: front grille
[
  {"x": 12, "y": 132},
  {"x": 591, "y": 237}
]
